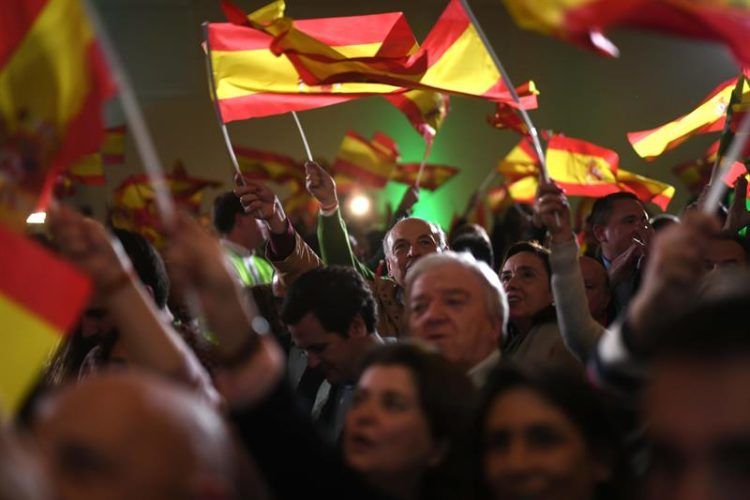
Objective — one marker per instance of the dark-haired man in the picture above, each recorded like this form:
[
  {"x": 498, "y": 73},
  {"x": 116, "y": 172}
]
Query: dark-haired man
[
  {"x": 621, "y": 226},
  {"x": 331, "y": 314},
  {"x": 241, "y": 234}
]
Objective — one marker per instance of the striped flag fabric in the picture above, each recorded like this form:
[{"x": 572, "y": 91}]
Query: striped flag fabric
[
  {"x": 708, "y": 116},
  {"x": 41, "y": 297},
  {"x": 433, "y": 176},
  {"x": 696, "y": 174},
  {"x": 581, "y": 168},
  {"x": 647, "y": 190},
  {"x": 369, "y": 162},
  {"x": 52, "y": 44},
  {"x": 89, "y": 170},
  {"x": 269, "y": 166},
  {"x": 522, "y": 161},
  {"x": 425, "y": 110},
  {"x": 452, "y": 59},
  {"x": 584, "y": 21},
  {"x": 506, "y": 117},
  {"x": 252, "y": 81}
]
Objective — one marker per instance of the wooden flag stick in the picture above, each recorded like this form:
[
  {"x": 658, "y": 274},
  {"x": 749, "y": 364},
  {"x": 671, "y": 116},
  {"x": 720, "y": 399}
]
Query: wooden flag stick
[
  {"x": 427, "y": 151},
  {"x": 303, "y": 136},
  {"x": 137, "y": 124},
  {"x": 718, "y": 187},
  {"x": 215, "y": 100}
]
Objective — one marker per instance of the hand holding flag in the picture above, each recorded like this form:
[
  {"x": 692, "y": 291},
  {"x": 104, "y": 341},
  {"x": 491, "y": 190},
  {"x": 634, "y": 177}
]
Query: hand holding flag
[{"x": 321, "y": 186}]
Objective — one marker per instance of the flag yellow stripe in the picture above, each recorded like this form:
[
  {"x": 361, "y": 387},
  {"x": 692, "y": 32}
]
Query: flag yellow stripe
[
  {"x": 61, "y": 30},
  {"x": 89, "y": 165},
  {"x": 245, "y": 72},
  {"x": 657, "y": 142},
  {"x": 114, "y": 143},
  {"x": 568, "y": 167},
  {"x": 27, "y": 342},
  {"x": 465, "y": 67}
]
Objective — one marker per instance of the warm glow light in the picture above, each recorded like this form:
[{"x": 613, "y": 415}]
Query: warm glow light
[
  {"x": 359, "y": 205},
  {"x": 36, "y": 218}
]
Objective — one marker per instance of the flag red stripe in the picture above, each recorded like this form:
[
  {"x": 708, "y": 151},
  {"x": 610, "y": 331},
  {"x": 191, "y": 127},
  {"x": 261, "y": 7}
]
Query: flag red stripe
[
  {"x": 268, "y": 104},
  {"x": 15, "y": 23},
  {"x": 578, "y": 146},
  {"x": 45, "y": 285},
  {"x": 265, "y": 156},
  {"x": 362, "y": 175}
]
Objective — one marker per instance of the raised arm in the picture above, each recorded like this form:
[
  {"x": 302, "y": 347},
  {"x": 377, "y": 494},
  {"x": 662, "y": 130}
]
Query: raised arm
[
  {"x": 145, "y": 333},
  {"x": 579, "y": 330}
]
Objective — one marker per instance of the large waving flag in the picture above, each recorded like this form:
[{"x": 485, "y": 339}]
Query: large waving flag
[
  {"x": 53, "y": 82},
  {"x": 41, "y": 297},
  {"x": 252, "y": 81},
  {"x": 583, "y": 21},
  {"x": 369, "y": 162},
  {"x": 433, "y": 176},
  {"x": 709, "y": 116},
  {"x": 452, "y": 59}
]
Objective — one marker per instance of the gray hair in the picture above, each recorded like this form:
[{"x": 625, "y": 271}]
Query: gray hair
[
  {"x": 436, "y": 231},
  {"x": 497, "y": 300}
]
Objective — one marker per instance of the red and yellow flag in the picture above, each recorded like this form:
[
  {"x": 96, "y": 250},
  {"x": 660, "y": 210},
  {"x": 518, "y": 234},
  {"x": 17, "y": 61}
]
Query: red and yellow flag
[
  {"x": 581, "y": 168},
  {"x": 696, "y": 174},
  {"x": 41, "y": 297},
  {"x": 252, "y": 81},
  {"x": 269, "y": 166},
  {"x": 134, "y": 201},
  {"x": 522, "y": 161},
  {"x": 89, "y": 170},
  {"x": 433, "y": 176},
  {"x": 452, "y": 59},
  {"x": 369, "y": 162},
  {"x": 709, "y": 116},
  {"x": 424, "y": 109},
  {"x": 647, "y": 190},
  {"x": 584, "y": 21},
  {"x": 53, "y": 82},
  {"x": 507, "y": 117}
]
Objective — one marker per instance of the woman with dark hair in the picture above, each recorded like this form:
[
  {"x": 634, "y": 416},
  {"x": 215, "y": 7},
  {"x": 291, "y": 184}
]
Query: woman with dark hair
[
  {"x": 547, "y": 436},
  {"x": 533, "y": 339}
]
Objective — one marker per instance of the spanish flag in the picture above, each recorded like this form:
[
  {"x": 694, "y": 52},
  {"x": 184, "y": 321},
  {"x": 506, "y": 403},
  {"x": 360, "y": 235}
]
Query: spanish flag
[
  {"x": 41, "y": 297},
  {"x": 647, "y": 190},
  {"x": 581, "y": 168},
  {"x": 584, "y": 21},
  {"x": 709, "y": 116},
  {"x": 134, "y": 200},
  {"x": 252, "y": 81},
  {"x": 269, "y": 166},
  {"x": 52, "y": 75},
  {"x": 506, "y": 117},
  {"x": 433, "y": 176},
  {"x": 424, "y": 109},
  {"x": 452, "y": 59},
  {"x": 522, "y": 161},
  {"x": 370, "y": 162}
]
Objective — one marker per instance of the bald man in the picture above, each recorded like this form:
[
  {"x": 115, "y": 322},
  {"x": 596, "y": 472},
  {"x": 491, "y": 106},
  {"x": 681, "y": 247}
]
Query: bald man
[{"x": 132, "y": 435}]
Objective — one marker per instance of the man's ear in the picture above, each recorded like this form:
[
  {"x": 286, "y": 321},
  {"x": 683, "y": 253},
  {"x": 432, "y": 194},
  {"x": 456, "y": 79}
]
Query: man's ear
[
  {"x": 357, "y": 328},
  {"x": 599, "y": 233}
]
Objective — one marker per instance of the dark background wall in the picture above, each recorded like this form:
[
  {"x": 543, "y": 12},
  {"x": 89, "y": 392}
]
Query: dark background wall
[{"x": 656, "y": 79}]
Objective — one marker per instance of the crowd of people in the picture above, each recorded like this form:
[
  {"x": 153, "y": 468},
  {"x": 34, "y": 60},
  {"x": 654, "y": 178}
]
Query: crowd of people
[{"x": 263, "y": 363}]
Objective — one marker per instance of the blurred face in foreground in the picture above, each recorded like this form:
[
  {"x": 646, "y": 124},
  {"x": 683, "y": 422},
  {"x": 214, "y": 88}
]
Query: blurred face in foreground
[
  {"x": 386, "y": 434},
  {"x": 699, "y": 422},
  {"x": 447, "y": 308},
  {"x": 533, "y": 451}
]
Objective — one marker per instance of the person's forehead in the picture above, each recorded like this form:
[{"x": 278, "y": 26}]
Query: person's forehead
[
  {"x": 410, "y": 229},
  {"x": 395, "y": 378},
  {"x": 447, "y": 278},
  {"x": 625, "y": 208},
  {"x": 523, "y": 259}
]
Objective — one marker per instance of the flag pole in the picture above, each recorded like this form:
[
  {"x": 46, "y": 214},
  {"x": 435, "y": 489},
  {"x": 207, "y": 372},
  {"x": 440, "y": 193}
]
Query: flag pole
[
  {"x": 143, "y": 142},
  {"x": 717, "y": 189},
  {"x": 215, "y": 101},
  {"x": 303, "y": 136},
  {"x": 427, "y": 151},
  {"x": 726, "y": 133},
  {"x": 512, "y": 89}
]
